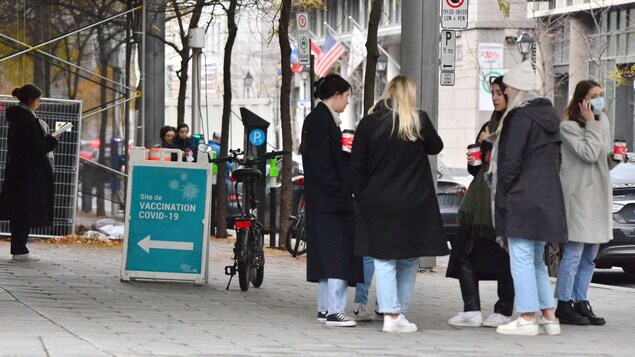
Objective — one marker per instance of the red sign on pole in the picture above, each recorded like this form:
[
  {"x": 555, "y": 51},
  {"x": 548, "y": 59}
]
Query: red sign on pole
[{"x": 454, "y": 14}]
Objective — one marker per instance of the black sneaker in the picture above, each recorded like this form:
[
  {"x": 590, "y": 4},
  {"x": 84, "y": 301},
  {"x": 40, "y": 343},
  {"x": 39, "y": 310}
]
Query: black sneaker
[
  {"x": 322, "y": 316},
  {"x": 339, "y": 320}
]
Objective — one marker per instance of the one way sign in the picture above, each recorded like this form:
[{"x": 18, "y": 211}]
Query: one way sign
[{"x": 448, "y": 50}]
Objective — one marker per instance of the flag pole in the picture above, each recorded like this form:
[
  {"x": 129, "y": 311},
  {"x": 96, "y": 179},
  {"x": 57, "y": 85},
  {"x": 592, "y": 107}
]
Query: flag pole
[{"x": 381, "y": 49}]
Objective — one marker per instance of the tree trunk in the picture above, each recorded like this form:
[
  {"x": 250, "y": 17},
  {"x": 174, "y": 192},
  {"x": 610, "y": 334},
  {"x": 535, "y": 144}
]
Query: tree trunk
[
  {"x": 183, "y": 77},
  {"x": 100, "y": 184},
  {"x": 372, "y": 52},
  {"x": 285, "y": 117},
  {"x": 221, "y": 190}
]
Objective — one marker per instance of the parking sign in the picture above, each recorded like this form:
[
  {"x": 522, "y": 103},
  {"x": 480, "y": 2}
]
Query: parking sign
[{"x": 454, "y": 14}]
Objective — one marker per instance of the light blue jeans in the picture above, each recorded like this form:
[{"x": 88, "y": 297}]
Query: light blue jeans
[
  {"x": 576, "y": 271},
  {"x": 395, "y": 283},
  {"x": 532, "y": 287},
  {"x": 361, "y": 289},
  {"x": 332, "y": 295}
]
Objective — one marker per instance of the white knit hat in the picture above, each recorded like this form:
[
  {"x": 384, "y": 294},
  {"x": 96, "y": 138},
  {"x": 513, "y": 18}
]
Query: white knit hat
[{"x": 521, "y": 77}]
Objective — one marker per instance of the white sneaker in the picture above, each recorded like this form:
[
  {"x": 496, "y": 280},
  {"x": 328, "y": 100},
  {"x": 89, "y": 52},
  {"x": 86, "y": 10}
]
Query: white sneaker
[
  {"x": 25, "y": 257},
  {"x": 362, "y": 314},
  {"x": 495, "y": 320},
  {"x": 520, "y": 327},
  {"x": 467, "y": 319},
  {"x": 549, "y": 327},
  {"x": 400, "y": 324}
]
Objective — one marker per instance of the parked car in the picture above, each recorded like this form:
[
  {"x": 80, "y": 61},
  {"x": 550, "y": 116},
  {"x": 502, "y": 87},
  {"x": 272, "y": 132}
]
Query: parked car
[{"x": 620, "y": 251}]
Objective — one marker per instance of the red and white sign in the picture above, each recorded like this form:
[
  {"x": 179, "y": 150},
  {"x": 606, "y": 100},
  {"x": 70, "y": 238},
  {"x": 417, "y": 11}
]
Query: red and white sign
[
  {"x": 454, "y": 14},
  {"x": 490, "y": 56}
]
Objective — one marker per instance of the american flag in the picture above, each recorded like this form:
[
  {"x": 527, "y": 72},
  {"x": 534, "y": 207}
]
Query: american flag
[{"x": 331, "y": 53}]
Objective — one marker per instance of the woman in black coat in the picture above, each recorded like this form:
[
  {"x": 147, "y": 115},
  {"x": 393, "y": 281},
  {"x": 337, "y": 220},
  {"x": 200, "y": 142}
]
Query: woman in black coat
[
  {"x": 328, "y": 203},
  {"x": 396, "y": 209},
  {"x": 27, "y": 195},
  {"x": 529, "y": 203}
]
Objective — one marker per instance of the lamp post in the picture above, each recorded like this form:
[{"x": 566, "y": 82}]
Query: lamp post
[
  {"x": 382, "y": 64},
  {"x": 247, "y": 83},
  {"x": 525, "y": 44},
  {"x": 306, "y": 93}
]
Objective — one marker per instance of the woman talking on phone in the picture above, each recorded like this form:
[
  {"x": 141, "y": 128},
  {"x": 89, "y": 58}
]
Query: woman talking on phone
[
  {"x": 586, "y": 161},
  {"x": 26, "y": 199}
]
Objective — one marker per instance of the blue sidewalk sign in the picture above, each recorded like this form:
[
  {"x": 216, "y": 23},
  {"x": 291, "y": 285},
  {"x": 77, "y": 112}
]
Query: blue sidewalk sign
[
  {"x": 166, "y": 219},
  {"x": 257, "y": 137}
]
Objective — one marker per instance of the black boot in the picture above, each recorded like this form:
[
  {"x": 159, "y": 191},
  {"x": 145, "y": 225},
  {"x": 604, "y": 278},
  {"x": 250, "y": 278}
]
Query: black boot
[
  {"x": 583, "y": 308},
  {"x": 568, "y": 316}
]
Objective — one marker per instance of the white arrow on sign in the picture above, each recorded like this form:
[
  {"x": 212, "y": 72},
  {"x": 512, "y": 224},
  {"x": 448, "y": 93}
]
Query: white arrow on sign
[{"x": 147, "y": 244}]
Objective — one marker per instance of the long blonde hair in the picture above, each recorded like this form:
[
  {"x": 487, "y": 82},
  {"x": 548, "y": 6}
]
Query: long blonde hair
[{"x": 400, "y": 96}]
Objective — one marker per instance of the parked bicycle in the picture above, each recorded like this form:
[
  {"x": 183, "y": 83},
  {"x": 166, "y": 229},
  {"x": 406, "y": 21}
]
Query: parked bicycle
[
  {"x": 249, "y": 257},
  {"x": 295, "y": 241}
]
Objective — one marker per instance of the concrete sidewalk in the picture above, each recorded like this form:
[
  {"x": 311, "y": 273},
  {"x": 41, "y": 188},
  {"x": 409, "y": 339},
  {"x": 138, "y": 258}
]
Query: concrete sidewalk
[{"x": 71, "y": 303}]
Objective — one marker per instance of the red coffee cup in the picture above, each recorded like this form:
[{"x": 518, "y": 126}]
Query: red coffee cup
[
  {"x": 474, "y": 150},
  {"x": 347, "y": 140},
  {"x": 619, "y": 150}
]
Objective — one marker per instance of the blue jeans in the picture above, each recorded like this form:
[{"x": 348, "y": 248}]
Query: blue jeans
[
  {"x": 395, "y": 282},
  {"x": 532, "y": 287},
  {"x": 576, "y": 271},
  {"x": 361, "y": 289},
  {"x": 332, "y": 295}
]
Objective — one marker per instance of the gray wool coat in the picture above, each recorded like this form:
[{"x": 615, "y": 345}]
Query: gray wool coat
[{"x": 586, "y": 185}]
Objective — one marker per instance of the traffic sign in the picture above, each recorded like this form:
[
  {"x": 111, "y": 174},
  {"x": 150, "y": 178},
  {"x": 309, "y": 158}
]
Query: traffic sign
[
  {"x": 166, "y": 218},
  {"x": 454, "y": 14},
  {"x": 304, "y": 47},
  {"x": 257, "y": 137},
  {"x": 447, "y": 78},
  {"x": 448, "y": 50}
]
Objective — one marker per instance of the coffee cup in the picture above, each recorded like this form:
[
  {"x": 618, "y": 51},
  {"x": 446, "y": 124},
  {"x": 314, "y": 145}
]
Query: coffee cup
[
  {"x": 347, "y": 140},
  {"x": 619, "y": 150},
  {"x": 474, "y": 150}
]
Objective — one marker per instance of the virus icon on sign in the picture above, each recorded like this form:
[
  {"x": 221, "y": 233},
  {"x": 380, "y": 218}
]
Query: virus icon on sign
[
  {"x": 174, "y": 185},
  {"x": 184, "y": 177},
  {"x": 190, "y": 191}
]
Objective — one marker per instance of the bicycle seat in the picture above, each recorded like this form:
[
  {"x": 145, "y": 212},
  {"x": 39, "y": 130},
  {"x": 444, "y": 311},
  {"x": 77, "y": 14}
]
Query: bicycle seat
[{"x": 246, "y": 174}]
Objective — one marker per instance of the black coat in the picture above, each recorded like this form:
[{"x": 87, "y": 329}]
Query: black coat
[
  {"x": 396, "y": 207},
  {"x": 330, "y": 224},
  {"x": 28, "y": 189},
  {"x": 529, "y": 199}
]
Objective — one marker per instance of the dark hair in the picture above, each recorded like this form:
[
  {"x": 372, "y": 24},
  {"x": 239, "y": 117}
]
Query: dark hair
[
  {"x": 498, "y": 81},
  {"x": 581, "y": 90},
  {"x": 181, "y": 126},
  {"x": 26, "y": 93},
  {"x": 164, "y": 130},
  {"x": 328, "y": 86}
]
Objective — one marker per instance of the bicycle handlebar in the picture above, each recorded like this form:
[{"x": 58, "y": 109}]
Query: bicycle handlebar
[{"x": 247, "y": 161}]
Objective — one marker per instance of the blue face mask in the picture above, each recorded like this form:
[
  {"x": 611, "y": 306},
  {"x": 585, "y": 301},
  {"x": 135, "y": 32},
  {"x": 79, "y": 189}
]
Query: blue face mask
[{"x": 598, "y": 105}]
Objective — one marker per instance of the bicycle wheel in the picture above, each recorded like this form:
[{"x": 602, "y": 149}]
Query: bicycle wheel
[
  {"x": 258, "y": 265},
  {"x": 244, "y": 267},
  {"x": 296, "y": 237}
]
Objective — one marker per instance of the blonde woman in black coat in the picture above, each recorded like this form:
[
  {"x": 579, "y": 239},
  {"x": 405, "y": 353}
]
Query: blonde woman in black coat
[
  {"x": 27, "y": 193},
  {"x": 396, "y": 209},
  {"x": 329, "y": 204}
]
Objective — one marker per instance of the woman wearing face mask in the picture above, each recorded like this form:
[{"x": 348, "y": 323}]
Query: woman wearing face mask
[
  {"x": 586, "y": 161},
  {"x": 329, "y": 203}
]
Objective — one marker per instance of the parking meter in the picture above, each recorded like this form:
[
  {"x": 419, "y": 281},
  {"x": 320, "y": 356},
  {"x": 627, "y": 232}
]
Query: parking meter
[{"x": 255, "y": 144}]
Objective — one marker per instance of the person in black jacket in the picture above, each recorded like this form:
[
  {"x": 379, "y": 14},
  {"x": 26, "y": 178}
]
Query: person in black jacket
[
  {"x": 27, "y": 195},
  {"x": 529, "y": 203},
  {"x": 475, "y": 254},
  {"x": 396, "y": 209},
  {"x": 328, "y": 203},
  {"x": 183, "y": 141}
]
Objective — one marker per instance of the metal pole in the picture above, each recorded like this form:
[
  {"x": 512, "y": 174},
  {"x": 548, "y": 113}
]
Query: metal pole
[
  {"x": 272, "y": 215},
  {"x": 142, "y": 79},
  {"x": 420, "y": 61},
  {"x": 196, "y": 87},
  {"x": 311, "y": 76}
]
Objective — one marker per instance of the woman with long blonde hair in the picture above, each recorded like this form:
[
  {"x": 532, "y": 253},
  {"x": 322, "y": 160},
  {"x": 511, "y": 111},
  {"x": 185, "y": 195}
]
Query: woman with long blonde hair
[{"x": 396, "y": 210}]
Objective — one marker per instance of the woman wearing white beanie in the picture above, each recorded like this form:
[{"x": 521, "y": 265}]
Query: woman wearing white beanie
[{"x": 529, "y": 204}]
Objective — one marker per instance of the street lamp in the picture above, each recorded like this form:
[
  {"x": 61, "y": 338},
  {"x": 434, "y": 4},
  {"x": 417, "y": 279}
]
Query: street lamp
[
  {"x": 525, "y": 44},
  {"x": 247, "y": 82},
  {"x": 382, "y": 64}
]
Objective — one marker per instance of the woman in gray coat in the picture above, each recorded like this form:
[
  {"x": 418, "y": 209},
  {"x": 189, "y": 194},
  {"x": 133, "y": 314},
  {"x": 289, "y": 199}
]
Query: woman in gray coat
[{"x": 586, "y": 161}]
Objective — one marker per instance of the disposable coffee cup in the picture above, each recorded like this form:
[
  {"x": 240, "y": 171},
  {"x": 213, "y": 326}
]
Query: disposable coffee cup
[
  {"x": 619, "y": 150},
  {"x": 347, "y": 140},
  {"x": 474, "y": 150}
]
